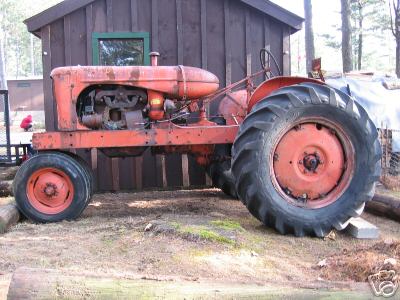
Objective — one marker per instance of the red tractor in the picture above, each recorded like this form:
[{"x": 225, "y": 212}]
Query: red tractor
[{"x": 302, "y": 156}]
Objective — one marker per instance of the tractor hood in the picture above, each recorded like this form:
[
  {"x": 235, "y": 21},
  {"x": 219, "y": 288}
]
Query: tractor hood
[{"x": 174, "y": 81}]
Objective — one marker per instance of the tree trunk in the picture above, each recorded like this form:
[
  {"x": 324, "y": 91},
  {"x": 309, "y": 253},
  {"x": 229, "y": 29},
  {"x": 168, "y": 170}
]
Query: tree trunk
[
  {"x": 346, "y": 37},
  {"x": 360, "y": 41},
  {"x": 398, "y": 56},
  {"x": 395, "y": 26},
  {"x": 3, "y": 79},
  {"x": 310, "y": 49},
  {"x": 32, "y": 55}
]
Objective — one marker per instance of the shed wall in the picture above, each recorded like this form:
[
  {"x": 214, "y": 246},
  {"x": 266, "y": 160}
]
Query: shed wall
[{"x": 223, "y": 36}]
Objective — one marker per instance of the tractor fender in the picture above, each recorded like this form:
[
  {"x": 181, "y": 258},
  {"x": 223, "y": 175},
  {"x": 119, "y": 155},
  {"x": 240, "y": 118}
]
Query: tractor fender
[{"x": 268, "y": 86}]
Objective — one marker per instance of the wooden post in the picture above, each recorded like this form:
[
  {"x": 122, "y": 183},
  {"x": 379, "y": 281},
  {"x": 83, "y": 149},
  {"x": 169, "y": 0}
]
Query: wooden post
[
  {"x": 115, "y": 173},
  {"x": 139, "y": 173},
  {"x": 93, "y": 157},
  {"x": 9, "y": 215},
  {"x": 185, "y": 171}
]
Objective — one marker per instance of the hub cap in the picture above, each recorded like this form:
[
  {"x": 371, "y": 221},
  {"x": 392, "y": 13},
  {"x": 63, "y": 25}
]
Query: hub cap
[
  {"x": 50, "y": 191},
  {"x": 310, "y": 165}
]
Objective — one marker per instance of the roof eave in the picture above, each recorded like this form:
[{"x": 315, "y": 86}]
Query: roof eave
[
  {"x": 36, "y": 22},
  {"x": 277, "y": 12},
  {"x": 53, "y": 13}
]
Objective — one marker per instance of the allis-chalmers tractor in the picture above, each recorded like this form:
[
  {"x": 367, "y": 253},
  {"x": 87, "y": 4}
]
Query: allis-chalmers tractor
[{"x": 302, "y": 156}]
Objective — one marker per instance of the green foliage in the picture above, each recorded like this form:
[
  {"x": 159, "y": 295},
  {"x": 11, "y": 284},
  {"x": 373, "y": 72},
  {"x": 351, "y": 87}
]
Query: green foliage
[
  {"x": 206, "y": 233},
  {"x": 371, "y": 22},
  {"x": 227, "y": 225},
  {"x": 22, "y": 50},
  {"x": 331, "y": 41}
]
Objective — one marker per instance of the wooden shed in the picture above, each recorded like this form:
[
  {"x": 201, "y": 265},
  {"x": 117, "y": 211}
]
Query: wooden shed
[{"x": 222, "y": 36}]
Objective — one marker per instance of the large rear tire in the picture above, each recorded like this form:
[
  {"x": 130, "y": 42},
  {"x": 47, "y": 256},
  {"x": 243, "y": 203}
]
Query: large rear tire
[
  {"x": 51, "y": 187},
  {"x": 306, "y": 160}
]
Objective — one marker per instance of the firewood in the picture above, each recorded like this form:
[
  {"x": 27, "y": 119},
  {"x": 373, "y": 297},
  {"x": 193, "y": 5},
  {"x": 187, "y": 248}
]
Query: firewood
[
  {"x": 9, "y": 215},
  {"x": 385, "y": 206}
]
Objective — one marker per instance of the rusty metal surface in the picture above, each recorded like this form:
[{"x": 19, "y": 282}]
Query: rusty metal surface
[
  {"x": 202, "y": 153},
  {"x": 313, "y": 163},
  {"x": 175, "y": 82},
  {"x": 267, "y": 87},
  {"x": 309, "y": 161},
  {"x": 175, "y": 135},
  {"x": 233, "y": 107},
  {"x": 92, "y": 121}
]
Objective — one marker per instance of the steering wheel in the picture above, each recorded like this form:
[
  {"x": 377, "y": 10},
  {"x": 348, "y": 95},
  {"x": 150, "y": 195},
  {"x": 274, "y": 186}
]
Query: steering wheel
[{"x": 263, "y": 57}]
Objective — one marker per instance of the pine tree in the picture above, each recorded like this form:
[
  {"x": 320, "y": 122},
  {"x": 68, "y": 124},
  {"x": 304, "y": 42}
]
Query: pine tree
[
  {"x": 309, "y": 34},
  {"x": 395, "y": 27},
  {"x": 361, "y": 11},
  {"x": 347, "y": 57}
]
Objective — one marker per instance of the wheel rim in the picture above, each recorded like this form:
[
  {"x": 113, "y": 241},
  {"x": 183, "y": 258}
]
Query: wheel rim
[
  {"x": 313, "y": 164},
  {"x": 50, "y": 191}
]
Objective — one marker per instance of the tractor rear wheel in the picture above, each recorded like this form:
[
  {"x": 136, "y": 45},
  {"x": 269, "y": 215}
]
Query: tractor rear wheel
[
  {"x": 306, "y": 160},
  {"x": 51, "y": 187}
]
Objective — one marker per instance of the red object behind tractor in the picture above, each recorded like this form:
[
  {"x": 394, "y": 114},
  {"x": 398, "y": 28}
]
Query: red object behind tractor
[{"x": 302, "y": 156}]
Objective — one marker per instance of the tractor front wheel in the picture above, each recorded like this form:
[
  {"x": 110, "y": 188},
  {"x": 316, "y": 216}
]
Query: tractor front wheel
[
  {"x": 51, "y": 187},
  {"x": 306, "y": 160}
]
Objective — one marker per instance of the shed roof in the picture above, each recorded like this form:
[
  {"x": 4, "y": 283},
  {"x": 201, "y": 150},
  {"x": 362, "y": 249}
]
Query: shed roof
[{"x": 67, "y": 6}]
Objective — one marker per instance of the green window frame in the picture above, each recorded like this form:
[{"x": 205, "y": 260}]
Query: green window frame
[{"x": 96, "y": 36}]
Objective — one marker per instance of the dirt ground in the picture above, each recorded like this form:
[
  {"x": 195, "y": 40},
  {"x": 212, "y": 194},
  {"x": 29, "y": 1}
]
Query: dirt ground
[{"x": 192, "y": 235}]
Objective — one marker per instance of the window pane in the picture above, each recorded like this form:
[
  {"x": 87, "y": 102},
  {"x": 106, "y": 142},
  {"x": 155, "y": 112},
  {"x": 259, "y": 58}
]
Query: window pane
[{"x": 121, "y": 52}]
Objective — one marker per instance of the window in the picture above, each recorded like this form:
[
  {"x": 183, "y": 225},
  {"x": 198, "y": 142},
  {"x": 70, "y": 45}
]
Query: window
[{"x": 121, "y": 49}]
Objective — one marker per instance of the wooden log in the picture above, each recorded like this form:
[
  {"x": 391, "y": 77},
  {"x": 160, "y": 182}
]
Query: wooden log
[
  {"x": 392, "y": 84},
  {"x": 385, "y": 206},
  {"x": 383, "y": 210},
  {"x": 9, "y": 215},
  {"x": 29, "y": 283},
  {"x": 387, "y": 199},
  {"x": 5, "y": 188}
]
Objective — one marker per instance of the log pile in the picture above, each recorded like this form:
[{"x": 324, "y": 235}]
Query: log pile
[
  {"x": 5, "y": 188},
  {"x": 9, "y": 216},
  {"x": 385, "y": 206}
]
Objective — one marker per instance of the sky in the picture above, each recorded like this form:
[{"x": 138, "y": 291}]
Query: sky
[{"x": 326, "y": 15}]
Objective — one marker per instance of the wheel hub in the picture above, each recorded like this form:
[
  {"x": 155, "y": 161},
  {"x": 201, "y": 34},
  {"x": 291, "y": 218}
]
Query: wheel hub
[
  {"x": 49, "y": 190},
  {"x": 309, "y": 162}
]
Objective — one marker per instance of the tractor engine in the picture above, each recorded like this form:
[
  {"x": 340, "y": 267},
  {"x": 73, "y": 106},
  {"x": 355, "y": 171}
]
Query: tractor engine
[
  {"x": 113, "y": 108},
  {"x": 123, "y": 107}
]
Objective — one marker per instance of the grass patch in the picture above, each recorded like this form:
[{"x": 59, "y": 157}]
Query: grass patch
[
  {"x": 207, "y": 234},
  {"x": 213, "y": 236},
  {"x": 175, "y": 225},
  {"x": 227, "y": 224}
]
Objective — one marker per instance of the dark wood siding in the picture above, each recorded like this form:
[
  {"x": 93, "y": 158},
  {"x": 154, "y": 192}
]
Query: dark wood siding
[{"x": 223, "y": 36}]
